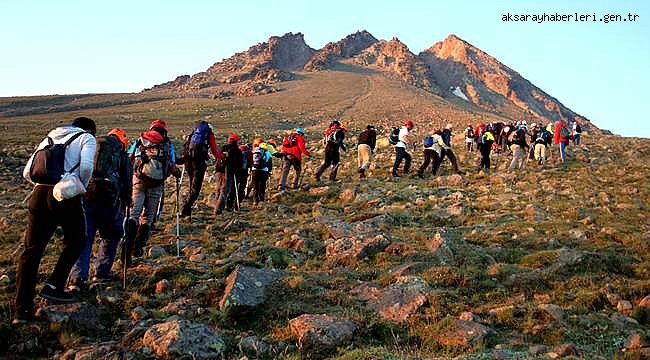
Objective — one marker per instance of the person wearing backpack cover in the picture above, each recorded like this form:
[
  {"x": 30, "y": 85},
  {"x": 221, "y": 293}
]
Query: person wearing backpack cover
[
  {"x": 195, "y": 156},
  {"x": 225, "y": 174},
  {"x": 518, "y": 146},
  {"x": 541, "y": 139},
  {"x": 333, "y": 141},
  {"x": 365, "y": 146},
  {"x": 434, "y": 146},
  {"x": 293, "y": 146},
  {"x": 107, "y": 196},
  {"x": 154, "y": 159},
  {"x": 66, "y": 149},
  {"x": 577, "y": 133},
  {"x": 261, "y": 165},
  {"x": 469, "y": 138},
  {"x": 561, "y": 137},
  {"x": 448, "y": 152},
  {"x": 485, "y": 147},
  {"x": 244, "y": 172},
  {"x": 400, "y": 148}
]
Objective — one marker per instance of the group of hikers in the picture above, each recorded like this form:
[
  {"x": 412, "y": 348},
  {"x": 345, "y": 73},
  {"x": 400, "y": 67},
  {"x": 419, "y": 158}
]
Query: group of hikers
[{"x": 86, "y": 184}]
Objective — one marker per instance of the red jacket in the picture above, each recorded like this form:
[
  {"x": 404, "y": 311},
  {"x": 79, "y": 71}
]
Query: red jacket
[
  {"x": 557, "y": 138},
  {"x": 298, "y": 150}
]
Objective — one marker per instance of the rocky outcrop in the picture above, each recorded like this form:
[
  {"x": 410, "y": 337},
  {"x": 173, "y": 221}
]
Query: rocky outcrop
[
  {"x": 356, "y": 241},
  {"x": 402, "y": 299},
  {"x": 321, "y": 331},
  {"x": 177, "y": 338},
  {"x": 347, "y": 47}
]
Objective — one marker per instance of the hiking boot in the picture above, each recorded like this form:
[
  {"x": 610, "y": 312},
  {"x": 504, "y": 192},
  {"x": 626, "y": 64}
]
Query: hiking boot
[
  {"x": 22, "y": 317},
  {"x": 141, "y": 238},
  {"x": 101, "y": 280},
  {"x": 51, "y": 293},
  {"x": 75, "y": 286}
]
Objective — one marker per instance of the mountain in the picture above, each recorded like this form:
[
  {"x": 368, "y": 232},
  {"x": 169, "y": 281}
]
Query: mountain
[
  {"x": 469, "y": 73},
  {"x": 452, "y": 71},
  {"x": 347, "y": 47}
]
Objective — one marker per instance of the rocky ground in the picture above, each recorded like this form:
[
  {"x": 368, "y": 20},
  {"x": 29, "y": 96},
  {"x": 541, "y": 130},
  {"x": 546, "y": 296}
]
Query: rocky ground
[{"x": 545, "y": 263}]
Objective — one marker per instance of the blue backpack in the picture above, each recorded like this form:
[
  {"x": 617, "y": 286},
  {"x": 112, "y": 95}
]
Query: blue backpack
[
  {"x": 198, "y": 146},
  {"x": 428, "y": 141}
]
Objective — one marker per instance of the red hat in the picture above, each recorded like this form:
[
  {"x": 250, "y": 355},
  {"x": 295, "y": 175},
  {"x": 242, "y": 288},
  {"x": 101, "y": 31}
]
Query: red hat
[
  {"x": 158, "y": 123},
  {"x": 152, "y": 136},
  {"x": 409, "y": 124},
  {"x": 233, "y": 138}
]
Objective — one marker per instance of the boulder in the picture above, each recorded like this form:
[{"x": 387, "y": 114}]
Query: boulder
[
  {"x": 440, "y": 247},
  {"x": 315, "y": 331},
  {"x": 402, "y": 299},
  {"x": 178, "y": 338},
  {"x": 246, "y": 288},
  {"x": 462, "y": 333},
  {"x": 82, "y": 315},
  {"x": 103, "y": 351}
]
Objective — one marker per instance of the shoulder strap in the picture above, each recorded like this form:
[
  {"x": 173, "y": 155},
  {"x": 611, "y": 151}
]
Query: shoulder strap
[{"x": 68, "y": 142}]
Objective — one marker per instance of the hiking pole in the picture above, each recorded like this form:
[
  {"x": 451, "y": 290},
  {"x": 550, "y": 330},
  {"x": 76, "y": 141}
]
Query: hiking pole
[
  {"x": 234, "y": 178},
  {"x": 178, "y": 213},
  {"x": 302, "y": 174},
  {"x": 125, "y": 247}
]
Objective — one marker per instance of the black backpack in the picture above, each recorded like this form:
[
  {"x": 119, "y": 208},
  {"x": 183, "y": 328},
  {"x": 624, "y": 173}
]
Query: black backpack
[
  {"x": 393, "y": 138},
  {"x": 48, "y": 164},
  {"x": 104, "y": 186}
]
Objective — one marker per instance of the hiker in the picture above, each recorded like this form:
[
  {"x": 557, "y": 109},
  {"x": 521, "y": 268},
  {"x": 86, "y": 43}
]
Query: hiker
[
  {"x": 469, "y": 138},
  {"x": 66, "y": 152},
  {"x": 503, "y": 136},
  {"x": 261, "y": 166},
  {"x": 478, "y": 133},
  {"x": 333, "y": 141},
  {"x": 401, "y": 141},
  {"x": 531, "y": 133},
  {"x": 365, "y": 146},
  {"x": 196, "y": 153},
  {"x": 154, "y": 159},
  {"x": 107, "y": 196},
  {"x": 561, "y": 137},
  {"x": 518, "y": 146},
  {"x": 541, "y": 139},
  {"x": 225, "y": 174},
  {"x": 448, "y": 152},
  {"x": 577, "y": 133},
  {"x": 246, "y": 168},
  {"x": 485, "y": 147},
  {"x": 434, "y": 146},
  {"x": 160, "y": 127},
  {"x": 293, "y": 146}
]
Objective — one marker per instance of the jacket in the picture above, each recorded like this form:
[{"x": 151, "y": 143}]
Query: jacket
[
  {"x": 339, "y": 137},
  {"x": 267, "y": 161},
  {"x": 368, "y": 137},
  {"x": 81, "y": 151},
  {"x": 438, "y": 144},
  {"x": 234, "y": 158},
  {"x": 557, "y": 132},
  {"x": 297, "y": 150}
]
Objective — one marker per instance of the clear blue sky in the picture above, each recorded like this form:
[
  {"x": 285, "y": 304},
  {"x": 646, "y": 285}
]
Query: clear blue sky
[{"x": 598, "y": 70}]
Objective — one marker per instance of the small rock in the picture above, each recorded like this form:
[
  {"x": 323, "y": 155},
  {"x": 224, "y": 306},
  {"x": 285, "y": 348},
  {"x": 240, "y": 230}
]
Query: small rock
[
  {"x": 108, "y": 350},
  {"x": 565, "y": 350},
  {"x": 317, "y": 332},
  {"x": 254, "y": 347},
  {"x": 624, "y": 307},
  {"x": 319, "y": 191},
  {"x": 197, "y": 257},
  {"x": 163, "y": 286},
  {"x": 402, "y": 299},
  {"x": 348, "y": 195},
  {"x": 139, "y": 313},
  {"x": 538, "y": 349},
  {"x": 555, "y": 311},
  {"x": 469, "y": 316},
  {"x": 81, "y": 315},
  {"x": 246, "y": 287},
  {"x": 178, "y": 338},
  {"x": 156, "y": 251},
  {"x": 5, "y": 280},
  {"x": 440, "y": 246},
  {"x": 636, "y": 341},
  {"x": 465, "y": 334},
  {"x": 645, "y": 302}
]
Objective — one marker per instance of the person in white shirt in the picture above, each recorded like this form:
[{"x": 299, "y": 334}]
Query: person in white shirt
[{"x": 400, "y": 149}]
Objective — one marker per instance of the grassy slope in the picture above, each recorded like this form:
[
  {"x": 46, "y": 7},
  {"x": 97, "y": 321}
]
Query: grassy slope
[{"x": 612, "y": 189}]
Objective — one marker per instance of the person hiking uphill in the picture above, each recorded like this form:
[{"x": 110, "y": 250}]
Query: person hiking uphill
[
  {"x": 262, "y": 162},
  {"x": 161, "y": 127},
  {"x": 434, "y": 146},
  {"x": 333, "y": 140},
  {"x": 225, "y": 173},
  {"x": 365, "y": 146},
  {"x": 541, "y": 140},
  {"x": 518, "y": 146},
  {"x": 107, "y": 196},
  {"x": 66, "y": 151},
  {"x": 577, "y": 133},
  {"x": 246, "y": 168},
  {"x": 448, "y": 152},
  {"x": 561, "y": 137},
  {"x": 154, "y": 159},
  {"x": 293, "y": 146},
  {"x": 196, "y": 152},
  {"x": 401, "y": 141},
  {"x": 485, "y": 147},
  {"x": 469, "y": 138}
]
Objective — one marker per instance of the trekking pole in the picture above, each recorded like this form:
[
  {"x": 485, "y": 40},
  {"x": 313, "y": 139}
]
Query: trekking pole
[
  {"x": 125, "y": 247},
  {"x": 178, "y": 213},
  {"x": 302, "y": 174},
  {"x": 234, "y": 177}
]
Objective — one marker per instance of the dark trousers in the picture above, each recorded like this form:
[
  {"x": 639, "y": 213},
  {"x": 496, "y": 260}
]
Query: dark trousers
[
  {"x": 195, "y": 169},
  {"x": 400, "y": 153},
  {"x": 485, "y": 156},
  {"x": 225, "y": 184},
  {"x": 45, "y": 215},
  {"x": 260, "y": 178},
  {"x": 452, "y": 158},
  {"x": 332, "y": 158},
  {"x": 241, "y": 177},
  {"x": 430, "y": 156}
]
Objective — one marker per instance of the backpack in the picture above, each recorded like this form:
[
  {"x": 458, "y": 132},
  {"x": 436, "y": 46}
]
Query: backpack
[
  {"x": 511, "y": 136},
  {"x": 428, "y": 141},
  {"x": 104, "y": 185},
  {"x": 332, "y": 135},
  {"x": 289, "y": 141},
  {"x": 393, "y": 138},
  {"x": 564, "y": 132},
  {"x": 48, "y": 163},
  {"x": 578, "y": 128},
  {"x": 151, "y": 161},
  {"x": 469, "y": 133},
  {"x": 545, "y": 136},
  {"x": 198, "y": 146},
  {"x": 258, "y": 158}
]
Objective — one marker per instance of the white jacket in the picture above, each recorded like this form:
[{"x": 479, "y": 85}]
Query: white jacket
[
  {"x": 81, "y": 151},
  {"x": 438, "y": 144}
]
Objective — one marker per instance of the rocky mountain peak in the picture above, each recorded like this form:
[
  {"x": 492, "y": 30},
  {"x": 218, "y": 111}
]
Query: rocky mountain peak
[{"x": 347, "y": 47}]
